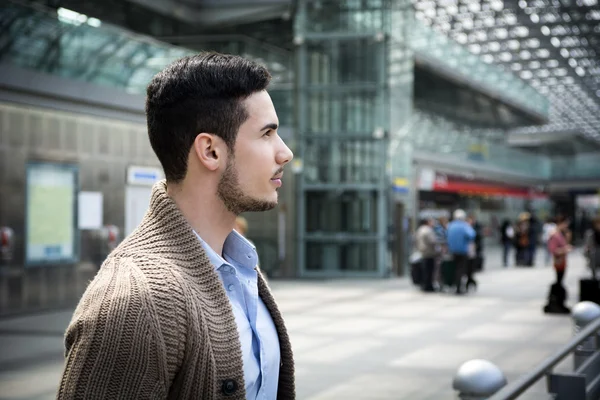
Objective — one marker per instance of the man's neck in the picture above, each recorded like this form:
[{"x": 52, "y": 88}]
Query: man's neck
[{"x": 205, "y": 213}]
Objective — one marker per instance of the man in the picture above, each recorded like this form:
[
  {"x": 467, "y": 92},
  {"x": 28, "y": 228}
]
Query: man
[
  {"x": 477, "y": 261},
  {"x": 179, "y": 310},
  {"x": 460, "y": 236},
  {"x": 426, "y": 244}
]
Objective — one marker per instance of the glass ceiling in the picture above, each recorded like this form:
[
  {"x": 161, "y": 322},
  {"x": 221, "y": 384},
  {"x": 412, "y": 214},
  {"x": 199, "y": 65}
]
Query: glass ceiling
[{"x": 552, "y": 44}]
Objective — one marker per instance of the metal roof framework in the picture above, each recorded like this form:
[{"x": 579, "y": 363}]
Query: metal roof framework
[{"x": 552, "y": 44}]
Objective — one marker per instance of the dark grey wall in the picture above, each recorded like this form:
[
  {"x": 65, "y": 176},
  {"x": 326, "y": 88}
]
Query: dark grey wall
[{"x": 102, "y": 148}]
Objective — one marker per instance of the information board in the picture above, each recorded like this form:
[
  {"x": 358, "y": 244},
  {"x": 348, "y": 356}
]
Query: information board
[{"x": 51, "y": 213}]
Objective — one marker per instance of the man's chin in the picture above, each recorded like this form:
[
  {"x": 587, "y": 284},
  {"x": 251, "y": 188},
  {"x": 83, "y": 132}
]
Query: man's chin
[{"x": 257, "y": 205}]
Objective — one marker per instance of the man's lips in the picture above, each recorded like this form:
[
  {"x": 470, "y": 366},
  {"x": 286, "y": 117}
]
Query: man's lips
[{"x": 277, "y": 179}]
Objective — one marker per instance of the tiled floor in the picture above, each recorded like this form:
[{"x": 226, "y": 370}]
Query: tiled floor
[{"x": 362, "y": 339}]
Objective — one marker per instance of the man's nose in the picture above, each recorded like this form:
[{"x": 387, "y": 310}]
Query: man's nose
[{"x": 285, "y": 154}]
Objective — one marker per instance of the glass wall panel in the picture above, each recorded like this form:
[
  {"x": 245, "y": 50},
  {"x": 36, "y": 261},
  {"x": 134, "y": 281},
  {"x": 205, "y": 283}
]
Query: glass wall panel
[
  {"x": 351, "y": 61},
  {"x": 433, "y": 133},
  {"x": 343, "y": 161},
  {"x": 345, "y": 16},
  {"x": 351, "y": 256},
  {"x": 283, "y": 100},
  {"x": 343, "y": 112},
  {"x": 349, "y": 211},
  {"x": 580, "y": 166},
  {"x": 342, "y": 125}
]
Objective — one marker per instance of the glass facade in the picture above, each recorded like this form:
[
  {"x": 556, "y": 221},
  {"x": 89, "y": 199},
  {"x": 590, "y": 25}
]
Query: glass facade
[
  {"x": 343, "y": 133},
  {"x": 352, "y": 90},
  {"x": 359, "y": 125}
]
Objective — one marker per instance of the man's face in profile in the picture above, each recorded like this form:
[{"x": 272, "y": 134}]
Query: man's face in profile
[{"x": 254, "y": 169}]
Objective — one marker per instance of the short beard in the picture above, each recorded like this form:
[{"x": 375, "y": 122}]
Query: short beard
[{"x": 234, "y": 199}]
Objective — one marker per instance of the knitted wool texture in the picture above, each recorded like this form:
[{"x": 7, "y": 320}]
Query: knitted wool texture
[{"x": 156, "y": 323}]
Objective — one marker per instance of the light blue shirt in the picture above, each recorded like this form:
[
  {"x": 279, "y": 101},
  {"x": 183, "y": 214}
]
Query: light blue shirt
[{"x": 258, "y": 336}]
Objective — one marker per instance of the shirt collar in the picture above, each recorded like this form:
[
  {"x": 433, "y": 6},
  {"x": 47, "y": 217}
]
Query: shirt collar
[{"x": 236, "y": 249}]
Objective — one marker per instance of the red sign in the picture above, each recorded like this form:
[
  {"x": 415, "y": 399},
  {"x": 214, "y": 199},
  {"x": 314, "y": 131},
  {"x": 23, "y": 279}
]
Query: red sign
[{"x": 445, "y": 183}]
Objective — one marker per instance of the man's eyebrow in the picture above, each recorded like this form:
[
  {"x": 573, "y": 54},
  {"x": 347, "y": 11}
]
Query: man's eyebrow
[{"x": 272, "y": 126}]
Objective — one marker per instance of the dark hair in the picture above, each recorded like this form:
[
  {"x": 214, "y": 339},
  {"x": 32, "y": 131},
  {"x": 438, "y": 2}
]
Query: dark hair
[{"x": 195, "y": 94}]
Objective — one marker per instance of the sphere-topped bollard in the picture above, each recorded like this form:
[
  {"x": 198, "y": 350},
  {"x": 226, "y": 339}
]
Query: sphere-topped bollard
[
  {"x": 583, "y": 313},
  {"x": 478, "y": 380}
]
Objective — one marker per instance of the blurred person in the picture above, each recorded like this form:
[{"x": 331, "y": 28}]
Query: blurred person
[
  {"x": 591, "y": 247},
  {"x": 559, "y": 248},
  {"x": 547, "y": 230},
  {"x": 441, "y": 229},
  {"x": 507, "y": 235},
  {"x": 533, "y": 240},
  {"x": 477, "y": 256},
  {"x": 460, "y": 235},
  {"x": 522, "y": 238},
  {"x": 426, "y": 244},
  {"x": 179, "y": 309}
]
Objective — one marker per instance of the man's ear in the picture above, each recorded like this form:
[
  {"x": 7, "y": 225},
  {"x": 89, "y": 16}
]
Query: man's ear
[{"x": 209, "y": 150}]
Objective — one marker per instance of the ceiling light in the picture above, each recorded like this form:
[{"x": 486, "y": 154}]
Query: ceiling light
[
  {"x": 525, "y": 55},
  {"x": 526, "y": 74},
  {"x": 514, "y": 44}
]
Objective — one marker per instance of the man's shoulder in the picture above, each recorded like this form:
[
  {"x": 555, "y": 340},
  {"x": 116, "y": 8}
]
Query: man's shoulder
[
  {"x": 130, "y": 288},
  {"x": 138, "y": 274}
]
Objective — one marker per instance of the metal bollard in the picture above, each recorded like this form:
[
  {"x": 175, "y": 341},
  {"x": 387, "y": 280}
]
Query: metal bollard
[
  {"x": 583, "y": 313},
  {"x": 478, "y": 380}
]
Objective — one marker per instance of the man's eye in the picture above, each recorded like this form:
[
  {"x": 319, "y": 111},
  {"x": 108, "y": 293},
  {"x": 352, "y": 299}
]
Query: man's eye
[{"x": 268, "y": 133}]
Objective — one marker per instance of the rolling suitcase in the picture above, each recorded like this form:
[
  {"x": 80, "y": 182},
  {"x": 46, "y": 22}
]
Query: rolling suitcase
[
  {"x": 589, "y": 290},
  {"x": 448, "y": 272}
]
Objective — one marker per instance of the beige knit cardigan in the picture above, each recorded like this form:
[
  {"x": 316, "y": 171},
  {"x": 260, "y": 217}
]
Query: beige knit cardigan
[{"x": 156, "y": 323}]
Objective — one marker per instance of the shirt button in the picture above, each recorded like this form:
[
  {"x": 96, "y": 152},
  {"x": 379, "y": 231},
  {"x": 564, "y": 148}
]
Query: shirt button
[{"x": 230, "y": 287}]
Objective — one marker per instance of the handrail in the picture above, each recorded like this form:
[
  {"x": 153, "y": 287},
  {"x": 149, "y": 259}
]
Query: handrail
[{"x": 523, "y": 383}]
